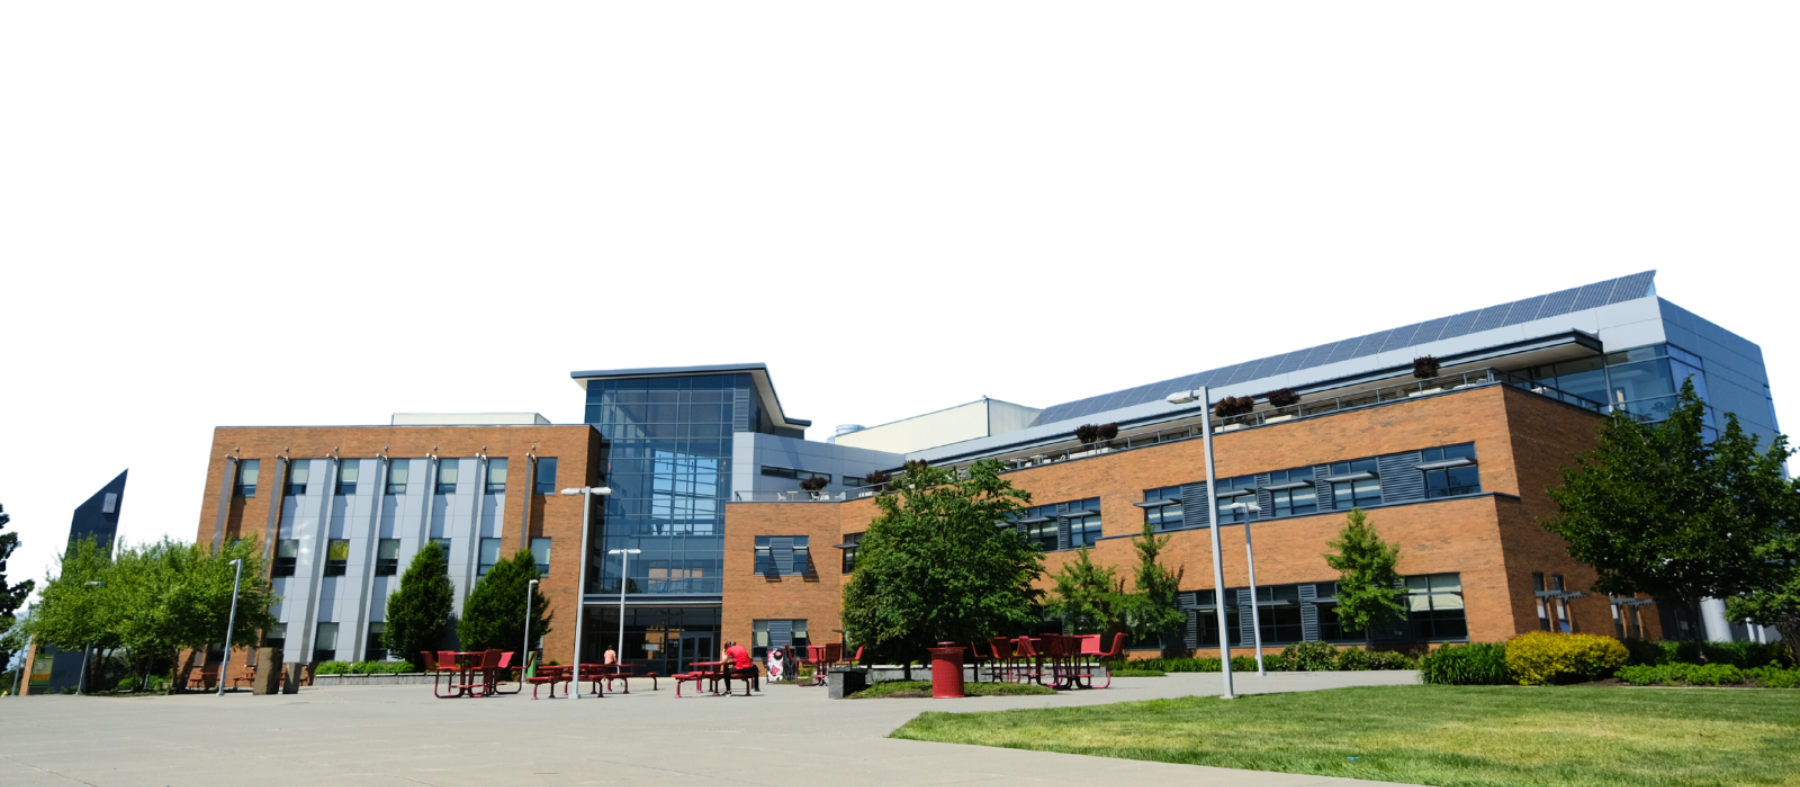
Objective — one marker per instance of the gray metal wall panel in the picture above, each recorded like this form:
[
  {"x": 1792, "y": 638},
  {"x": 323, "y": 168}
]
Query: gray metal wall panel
[
  {"x": 1195, "y": 511},
  {"x": 1325, "y": 499},
  {"x": 1309, "y": 613},
  {"x": 1401, "y": 480},
  {"x": 225, "y": 492},
  {"x": 1246, "y": 625}
]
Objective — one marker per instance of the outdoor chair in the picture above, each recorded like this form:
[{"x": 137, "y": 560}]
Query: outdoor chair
[
  {"x": 1002, "y": 649},
  {"x": 1100, "y": 659},
  {"x": 505, "y": 665},
  {"x": 447, "y": 669},
  {"x": 483, "y": 676},
  {"x": 1028, "y": 665}
]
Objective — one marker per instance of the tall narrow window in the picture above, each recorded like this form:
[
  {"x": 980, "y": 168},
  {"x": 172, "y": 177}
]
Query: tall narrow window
[
  {"x": 1084, "y": 523},
  {"x": 852, "y": 542},
  {"x": 246, "y": 477},
  {"x": 325, "y": 642},
  {"x": 1565, "y": 623},
  {"x": 540, "y": 554},
  {"x": 546, "y": 476},
  {"x": 347, "y": 472},
  {"x": 1537, "y": 586},
  {"x": 387, "y": 557},
  {"x": 398, "y": 470},
  {"x": 287, "y": 556},
  {"x": 376, "y": 647},
  {"x": 446, "y": 481},
  {"x": 496, "y": 480},
  {"x": 489, "y": 555},
  {"x": 337, "y": 557},
  {"x": 298, "y": 472}
]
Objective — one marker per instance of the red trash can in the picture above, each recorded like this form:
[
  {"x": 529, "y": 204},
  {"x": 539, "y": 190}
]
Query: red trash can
[{"x": 946, "y": 671}]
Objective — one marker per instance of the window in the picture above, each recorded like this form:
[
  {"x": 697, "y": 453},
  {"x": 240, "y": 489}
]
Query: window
[
  {"x": 783, "y": 556},
  {"x": 855, "y": 481},
  {"x": 1038, "y": 523},
  {"x": 246, "y": 477},
  {"x": 325, "y": 642},
  {"x": 1084, "y": 523},
  {"x": 1330, "y": 628},
  {"x": 1278, "y": 609},
  {"x": 387, "y": 557},
  {"x": 765, "y": 634},
  {"x": 1293, "y": 493},
  {"x": 297, "y": 475},
  {"x": 489, "y": 555},
  {"x": 347, "y": 472},
  {"x": 375, "y": 649},
  {"x": 1166, "y": 514},
  {"x": 1208, "y": 621},
  {"x": 1537, "y": 586},
  {"x": 802, "y": 475},
  {"x": 1450, "y": 471},
  {"x": 1560, "y": 606},
  {"x": 287, "y": 555},
  {"x": 337, "y": 557},
  {"x": 446, "y": 480},
  {"x": 398, "y": 470},
  {"x": 1355, "y": 484},
  {"x": 496, "y": 480},
  {"x": 444, "y": 544},
  {"x": 546, "y": 476},
  {"x": 540, "y": 554},
  {"x": 1233, "y": 491},
  {"x": 275, "y": 636},
  {"x": 852, "y": 542},
  {"x": 1434, "y": 605}
]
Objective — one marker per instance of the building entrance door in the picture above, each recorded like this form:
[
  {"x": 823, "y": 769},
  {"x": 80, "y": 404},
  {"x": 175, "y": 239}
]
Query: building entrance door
[{"x": 694, "y": 646}]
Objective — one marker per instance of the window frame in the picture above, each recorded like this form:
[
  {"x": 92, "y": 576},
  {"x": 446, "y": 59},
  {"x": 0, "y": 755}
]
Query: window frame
[
  {"x": 239, "y": 488},
  {"x": 337, "y": 566}
]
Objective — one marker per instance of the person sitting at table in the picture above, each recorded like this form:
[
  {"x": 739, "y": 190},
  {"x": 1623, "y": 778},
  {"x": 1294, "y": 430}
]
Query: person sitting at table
[
  {"x": 611, "y": 658},
  {"x": 739, "y": 665}
]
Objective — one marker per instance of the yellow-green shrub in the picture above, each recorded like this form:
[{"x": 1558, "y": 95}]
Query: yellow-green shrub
[{"x": 1541, "y": 657}]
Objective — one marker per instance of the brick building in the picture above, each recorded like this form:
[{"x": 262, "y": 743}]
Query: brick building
[{"x": 708, "y": 534}]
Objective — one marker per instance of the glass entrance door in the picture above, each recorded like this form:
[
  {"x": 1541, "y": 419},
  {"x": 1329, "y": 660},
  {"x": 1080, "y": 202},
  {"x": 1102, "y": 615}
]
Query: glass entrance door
[{"x": 695, "y": 646}]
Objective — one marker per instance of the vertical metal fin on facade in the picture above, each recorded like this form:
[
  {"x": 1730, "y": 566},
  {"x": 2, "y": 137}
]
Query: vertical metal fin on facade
[
  {"x": 1401, "y": 480},
  {"x": 277, "y": 490},
  {"x": 1264, "y": 498},
  {"x": 425, "y": 506},
  {"x": 1195, "y": 512},
  {"x": 359, "y": 637},
  {"x": 1246, "y": 627},
  {"x": 315, "y": 569},
  {"x": 1309, "y": 612},
  {"x": 225, "y": 492},
  {"x": 529, "y": 495},
  {"x": 473, "y": 553},
  {"x": 1320, "y": 472}
]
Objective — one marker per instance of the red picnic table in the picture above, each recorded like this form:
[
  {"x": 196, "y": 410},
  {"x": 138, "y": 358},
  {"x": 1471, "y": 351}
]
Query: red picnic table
[{"x": 473, "y": 673}]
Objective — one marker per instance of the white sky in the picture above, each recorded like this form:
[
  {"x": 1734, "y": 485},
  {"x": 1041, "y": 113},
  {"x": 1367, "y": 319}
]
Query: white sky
[{"x": 323, "y": 213}]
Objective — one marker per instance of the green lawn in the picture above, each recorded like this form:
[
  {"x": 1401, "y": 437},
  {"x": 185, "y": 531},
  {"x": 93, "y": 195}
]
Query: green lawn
[{"x": 1439, "y": 735}]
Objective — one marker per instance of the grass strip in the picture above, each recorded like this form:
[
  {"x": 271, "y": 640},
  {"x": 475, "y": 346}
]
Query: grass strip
[{"x": 1435, "y": 735}]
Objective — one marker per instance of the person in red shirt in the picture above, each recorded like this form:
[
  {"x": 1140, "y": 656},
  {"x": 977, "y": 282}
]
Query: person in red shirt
[{"x": 740, "y": 666}]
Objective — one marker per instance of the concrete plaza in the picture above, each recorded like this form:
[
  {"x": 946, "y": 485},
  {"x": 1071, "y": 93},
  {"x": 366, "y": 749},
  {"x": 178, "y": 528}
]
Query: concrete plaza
[{"x": 400, "y": 735}]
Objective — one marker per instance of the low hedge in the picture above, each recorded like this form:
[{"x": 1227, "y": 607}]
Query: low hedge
[
  {"x": 1683, "y": 674},
  {"x": 362, "y": 668},
  {"x": 1541, "y": 657},
  {"x": 1302, "y": 657}
]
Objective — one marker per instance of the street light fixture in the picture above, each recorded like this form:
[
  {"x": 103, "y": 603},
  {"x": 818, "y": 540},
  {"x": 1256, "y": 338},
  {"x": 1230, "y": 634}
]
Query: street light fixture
[
  {"x": 1252, "y": 509},
  {"x": 81, "y": 685},
  {"x": 230, "y": 623},
  {"x": 624, "y": 576},
  {"x": 1200, "y": 395},
  {"x": 526, "y": 650},
  {"x": 587, "y": 494}
]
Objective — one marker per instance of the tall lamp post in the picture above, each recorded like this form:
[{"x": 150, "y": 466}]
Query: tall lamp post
[
  {"x": 230, "y": 624},
  {"x": 587, "y": 494},
  {"x": 624, "y": 576},
  {"x": 81, "y": 685},
  {"x": 1252, "y": 509},
  {"x": 526, "y": 650},
  {"x": 1199, "y": 395}
]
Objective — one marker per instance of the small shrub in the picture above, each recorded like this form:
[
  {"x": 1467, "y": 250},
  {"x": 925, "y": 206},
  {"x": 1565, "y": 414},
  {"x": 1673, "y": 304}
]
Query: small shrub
[
  {"x": 1426, "y": 367},
  {"x": 813, "y": 484},
  {"x": 1233, "y": 405},
  {"x": 1283, "y": 397},
  {"x": 1109, "y": 431},
  {"x": 126, "y": 685},
  {"x": 1474, "y": 664},
  {"x": 1392, "y": 659},
  {"x": 332, "y": 668},
  {"x": 878, "y": 479},
  {"x": 379, "y": 668},
  {"x": 1541, "y": 657},
  {"x": 1243, "y": 663},
  {"x": 1353, "y": 660},
  {"x": 1715, "y": 675},
  {"x": 1747, "y": 655},
  {"x": 1311, "y": 656},
  {"x": 1775, "y": 677},
  {"x": 1175, "y": 665},
  {"x": 1652, "y": 674},
  {"x": 1130, "y": 672},
  {"x": 1087, "y": 433}
]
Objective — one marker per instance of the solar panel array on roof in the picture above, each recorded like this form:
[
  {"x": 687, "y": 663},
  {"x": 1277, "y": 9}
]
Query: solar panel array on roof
[{"x": 1536, "y": 307}]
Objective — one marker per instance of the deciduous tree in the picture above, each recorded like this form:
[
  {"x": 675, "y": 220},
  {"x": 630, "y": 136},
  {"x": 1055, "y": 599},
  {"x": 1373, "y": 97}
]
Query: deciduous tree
[
  {"x": 1656, "y": 510},
  {"x": 940, "y": 563}
]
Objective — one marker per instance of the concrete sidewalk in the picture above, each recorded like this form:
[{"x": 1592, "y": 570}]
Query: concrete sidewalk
[{"x": 401, "y": 735}]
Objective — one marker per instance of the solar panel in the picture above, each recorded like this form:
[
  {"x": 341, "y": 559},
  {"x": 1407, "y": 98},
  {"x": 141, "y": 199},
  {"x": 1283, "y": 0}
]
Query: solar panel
[
  {"x": 1558, "y": 303},
  {"x": 1523, "y": 311},
  {"x": 1632, "y": 287}
]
